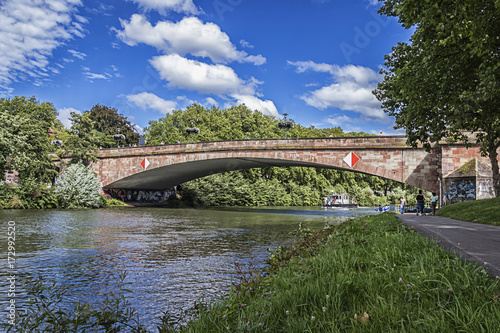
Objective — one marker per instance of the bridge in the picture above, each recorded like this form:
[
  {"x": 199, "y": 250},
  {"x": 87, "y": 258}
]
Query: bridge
[{"x": 385, "y": 156}]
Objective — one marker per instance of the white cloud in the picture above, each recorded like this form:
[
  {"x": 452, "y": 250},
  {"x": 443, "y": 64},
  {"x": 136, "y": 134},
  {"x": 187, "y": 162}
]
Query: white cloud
[
  {"x": 359, "y": 74},
  {"x": 138, "y": 129},
  {"x": 77, "y": 54},
  {"x": 147, "y": 100},
  {"x": 194, "y": 75},
  {"x": 209, "y": 102},
  {"x": 64, "y": 115},
  {"x": 188, "y": 36},
  {"x": 338, "y": 120},
  {"x": 266, "y": 107},
  {"x": 246, "y": 44},
  {"x": 29, "y": 32},
  {"x": 352, "y": 90},
  {"x": 96, "y": 76},
  {"x": 162, "y": 6}
]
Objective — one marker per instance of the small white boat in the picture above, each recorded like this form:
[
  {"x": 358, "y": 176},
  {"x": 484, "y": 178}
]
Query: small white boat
[{"x": 339, "y": 200}]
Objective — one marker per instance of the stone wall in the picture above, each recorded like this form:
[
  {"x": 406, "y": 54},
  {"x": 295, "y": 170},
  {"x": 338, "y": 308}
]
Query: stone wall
[{"x": 385, "y": 156}]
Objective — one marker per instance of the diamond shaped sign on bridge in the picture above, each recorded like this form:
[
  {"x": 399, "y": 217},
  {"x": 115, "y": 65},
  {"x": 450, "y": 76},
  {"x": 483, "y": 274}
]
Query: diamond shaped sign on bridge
[
  {"x": 145, "y": 163},
  {"x": 351, "y": 159}
]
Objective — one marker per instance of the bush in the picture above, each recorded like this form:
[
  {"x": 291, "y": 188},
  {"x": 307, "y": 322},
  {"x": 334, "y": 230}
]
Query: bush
[
  {"x": 78, "y": 187},
  {"x": 29, "y": 194}
]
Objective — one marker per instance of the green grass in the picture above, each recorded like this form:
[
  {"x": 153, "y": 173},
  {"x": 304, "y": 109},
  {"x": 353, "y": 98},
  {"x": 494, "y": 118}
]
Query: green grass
[
  {"x": 486, "y": 211},
  {"x": 373, "y": 265}
]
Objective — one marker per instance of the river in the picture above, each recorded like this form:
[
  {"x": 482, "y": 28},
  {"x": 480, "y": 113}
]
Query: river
[{"x": 172, "y": 257}]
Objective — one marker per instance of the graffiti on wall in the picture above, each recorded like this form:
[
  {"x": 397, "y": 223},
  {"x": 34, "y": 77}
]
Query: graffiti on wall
[
  {"x": 139, "y": 195},
  {"x": 461, "y": 189},
  {"x": 485, "y": 189}
]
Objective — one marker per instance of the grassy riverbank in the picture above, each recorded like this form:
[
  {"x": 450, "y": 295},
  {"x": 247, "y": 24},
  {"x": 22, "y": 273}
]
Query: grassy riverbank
[
  {"x": 371, "y": 274},
  {"x": 479, "y": 211}
]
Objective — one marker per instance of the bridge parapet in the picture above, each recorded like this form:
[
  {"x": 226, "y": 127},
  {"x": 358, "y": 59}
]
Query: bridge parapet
[{"x": 348, "y": 143}]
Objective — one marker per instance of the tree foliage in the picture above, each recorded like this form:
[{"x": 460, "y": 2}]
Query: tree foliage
[
  {"x": 82, "y": 142},
  {"x": 107, "y": 121},
  {"x": 444, "y": 83},
  {"x": 78, "y": 187},
  {"x": 271, "y": 186},
  {"x": 234, "y": 123},
  {"x": 24, "y": 140}
]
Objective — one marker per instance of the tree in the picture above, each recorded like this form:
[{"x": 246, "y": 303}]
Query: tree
[
  {"x": 108, "y": 121},
  {"x": 83, "y": 140},
  {"x": 78, "y": 187},
  {"x": 24, "y": 141},
  {"x": 444, "y": 83},
  {"x": 234, "y": 123}
]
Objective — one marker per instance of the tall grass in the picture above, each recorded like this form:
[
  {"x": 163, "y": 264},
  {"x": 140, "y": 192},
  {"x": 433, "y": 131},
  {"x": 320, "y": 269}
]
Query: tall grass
[
  {"x": 484, "y": 211},
  {"x": 367, "y": 275}
]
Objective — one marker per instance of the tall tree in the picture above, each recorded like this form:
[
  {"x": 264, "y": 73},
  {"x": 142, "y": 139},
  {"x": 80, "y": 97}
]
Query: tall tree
[
  {"x": 24, "y": 140},
  {"x": 107, "y": 121},
  {"x": 444, "y": 83},
  {"x": 83, "y": 140}
]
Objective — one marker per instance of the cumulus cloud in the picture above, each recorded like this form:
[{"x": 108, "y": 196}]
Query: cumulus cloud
[
  {"x": 351, "y": 90},
  {"x": 147, "y": 100},
  {"x": 64, "y": 115},
  {"x": 194, "y": 75},
  {"x": 266, "y": 107},
  {"x": 188, "y": 36},
  {"x": 163, "y": 6},
  {"x": 29, "y": 32}
]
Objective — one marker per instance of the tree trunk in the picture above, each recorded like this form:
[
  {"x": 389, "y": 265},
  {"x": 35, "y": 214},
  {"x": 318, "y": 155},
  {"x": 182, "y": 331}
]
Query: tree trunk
[{"x": 492, "y": 153}]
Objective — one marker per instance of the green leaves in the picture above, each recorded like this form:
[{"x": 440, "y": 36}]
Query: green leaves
[
  {"x": 78, "y": 187},
  {"x": 446, "y": 81},
  {"x": 24, "y": 141}
]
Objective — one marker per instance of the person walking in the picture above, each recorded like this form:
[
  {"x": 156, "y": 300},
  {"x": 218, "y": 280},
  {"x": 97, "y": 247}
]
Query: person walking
[
  {"x": 420, "y": 203},
  {"x": 434, "y": 200},
  {"x": 402, "y": 204}
]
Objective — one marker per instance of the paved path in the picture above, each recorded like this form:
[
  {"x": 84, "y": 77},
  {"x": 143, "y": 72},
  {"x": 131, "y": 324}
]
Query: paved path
[{"x": 474, "y": 242}]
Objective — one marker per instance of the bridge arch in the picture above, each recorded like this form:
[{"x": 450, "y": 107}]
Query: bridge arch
[{"x": 384, "y": 156}]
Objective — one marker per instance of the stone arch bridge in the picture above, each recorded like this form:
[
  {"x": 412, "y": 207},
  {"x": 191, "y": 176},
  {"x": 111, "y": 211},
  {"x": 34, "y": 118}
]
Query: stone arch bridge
[{"x": 385, "y": 156}]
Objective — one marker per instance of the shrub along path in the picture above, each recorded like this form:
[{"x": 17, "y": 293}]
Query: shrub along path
[{"x": 472, "y": 241}]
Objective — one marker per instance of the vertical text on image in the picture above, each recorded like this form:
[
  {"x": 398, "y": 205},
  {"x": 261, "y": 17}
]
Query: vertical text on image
[{"x": 11, "y": 269}]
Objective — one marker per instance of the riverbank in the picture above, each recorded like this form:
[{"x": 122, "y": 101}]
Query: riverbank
[
  {"x": 478, "y": 211},
  {"x": 326, "y": 282},
  {"x": 368, "y": 274}
]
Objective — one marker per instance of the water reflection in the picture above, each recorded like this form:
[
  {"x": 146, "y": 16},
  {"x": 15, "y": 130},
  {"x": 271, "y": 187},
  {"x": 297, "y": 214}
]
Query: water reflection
[{"x": 173, "y": 257}]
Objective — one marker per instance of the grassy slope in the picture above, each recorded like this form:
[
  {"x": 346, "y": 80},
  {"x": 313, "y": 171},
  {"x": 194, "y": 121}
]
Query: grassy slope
[
  {"x": 404, "y": 283},
  {"x": 485, "y": 211}
]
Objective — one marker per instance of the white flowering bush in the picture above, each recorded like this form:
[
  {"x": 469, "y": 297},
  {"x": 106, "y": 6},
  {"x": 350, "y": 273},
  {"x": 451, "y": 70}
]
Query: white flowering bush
[{"x": 78, "y": 187}]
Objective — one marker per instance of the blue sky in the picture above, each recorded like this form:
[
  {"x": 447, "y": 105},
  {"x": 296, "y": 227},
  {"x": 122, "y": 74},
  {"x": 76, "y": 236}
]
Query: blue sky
[{"x": 316, "y": 60}]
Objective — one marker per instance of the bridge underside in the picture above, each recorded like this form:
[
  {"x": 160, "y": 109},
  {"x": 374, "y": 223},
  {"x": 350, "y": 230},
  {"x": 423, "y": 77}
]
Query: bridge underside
[{"x": 168, "y": 176}]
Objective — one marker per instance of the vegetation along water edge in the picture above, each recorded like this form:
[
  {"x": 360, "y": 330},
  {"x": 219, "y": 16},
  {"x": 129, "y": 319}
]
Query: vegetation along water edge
[{"x": 368, "y": 274}]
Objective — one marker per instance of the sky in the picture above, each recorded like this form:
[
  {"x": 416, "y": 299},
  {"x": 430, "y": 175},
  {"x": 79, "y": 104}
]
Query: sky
[{"x": 315, "y": 60}]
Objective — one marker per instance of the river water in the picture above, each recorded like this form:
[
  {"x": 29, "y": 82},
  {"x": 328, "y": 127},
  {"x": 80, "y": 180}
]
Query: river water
[{"x": 172, "y": 257}]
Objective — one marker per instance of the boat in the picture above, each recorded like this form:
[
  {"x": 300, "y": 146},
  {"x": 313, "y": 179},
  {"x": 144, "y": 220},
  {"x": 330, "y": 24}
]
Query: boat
[{"x": 339, "y": 200}]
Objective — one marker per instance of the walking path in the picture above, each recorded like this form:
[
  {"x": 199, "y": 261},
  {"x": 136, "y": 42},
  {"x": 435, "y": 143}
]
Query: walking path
[{"x": 472, "y": 241}]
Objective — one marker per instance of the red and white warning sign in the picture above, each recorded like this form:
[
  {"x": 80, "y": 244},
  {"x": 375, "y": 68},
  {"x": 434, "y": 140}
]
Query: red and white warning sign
[
  {"x": 351, "y": 159},
  {"x": 145, "y": 163}
]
